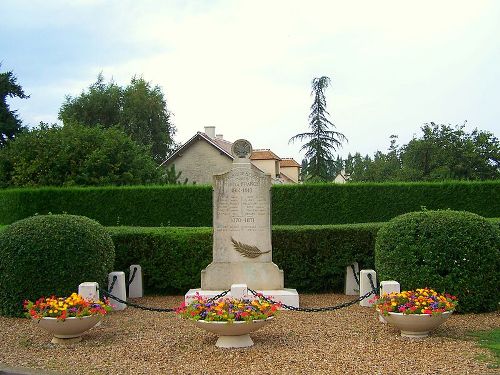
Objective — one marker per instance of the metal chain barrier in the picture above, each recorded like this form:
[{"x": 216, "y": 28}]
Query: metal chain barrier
[
  {"x": 371, "y": 282},
  {"x": 356, "y": 278},
  {"x": 127, "y": 281},
  {"x": 317, "y": 309},
  {"x": 374, "y": 291},
  {"x": 156, "y": 309},
  {"x": 218, "y": 296},
  {"x": 147, "y": 308},
  {"x": 113, "y": 283}
]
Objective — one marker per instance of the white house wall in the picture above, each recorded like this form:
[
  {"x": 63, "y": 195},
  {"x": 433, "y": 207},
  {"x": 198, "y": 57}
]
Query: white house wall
[
  {"x": 200, "y": 162},
  {"x": 291, "y": 172}
]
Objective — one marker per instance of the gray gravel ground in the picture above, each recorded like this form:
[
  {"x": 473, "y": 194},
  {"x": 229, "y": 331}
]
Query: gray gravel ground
[{"x": 346, "y": 341}]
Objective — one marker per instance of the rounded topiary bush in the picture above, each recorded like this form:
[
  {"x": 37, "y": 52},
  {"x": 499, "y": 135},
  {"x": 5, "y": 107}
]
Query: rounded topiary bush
[
  {"x": 449, "y": 251},
  {"x": 51, "y": 255}
]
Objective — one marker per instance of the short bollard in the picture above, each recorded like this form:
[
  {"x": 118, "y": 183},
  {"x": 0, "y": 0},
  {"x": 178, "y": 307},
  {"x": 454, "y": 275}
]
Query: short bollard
[
  {"x": 239, "y": 291},
  {"x": 387, "y": 287},
  {"x": 89, "y": 291},
  {"x": 365, "y": 286},
  {"x": 135, "y": 282},
  {"x": 118, "y": 290},
  {"x": 351, "y": 285}
]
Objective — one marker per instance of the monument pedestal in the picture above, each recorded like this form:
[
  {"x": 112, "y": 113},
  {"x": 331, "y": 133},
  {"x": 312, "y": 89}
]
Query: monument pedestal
[
  {"x": 286, "y": 296},
  {"x": 265, "y": 276}
]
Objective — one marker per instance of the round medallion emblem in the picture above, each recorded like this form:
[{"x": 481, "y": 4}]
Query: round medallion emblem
[{"x": 241, "y": 149}]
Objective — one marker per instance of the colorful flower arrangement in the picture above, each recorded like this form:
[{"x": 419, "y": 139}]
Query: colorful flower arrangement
[
  {"x": 228, "y": 309},
  {"x": 419, "y": 301},
  {"x": 62, "y": 308}
]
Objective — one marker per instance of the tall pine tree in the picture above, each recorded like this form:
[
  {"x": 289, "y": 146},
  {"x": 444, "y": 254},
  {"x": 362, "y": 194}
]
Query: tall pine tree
[{"x": 321, "y": 140}]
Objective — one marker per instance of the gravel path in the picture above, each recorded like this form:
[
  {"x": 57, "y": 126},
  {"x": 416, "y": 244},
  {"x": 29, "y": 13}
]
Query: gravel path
[{"x": 346, "y": 341}]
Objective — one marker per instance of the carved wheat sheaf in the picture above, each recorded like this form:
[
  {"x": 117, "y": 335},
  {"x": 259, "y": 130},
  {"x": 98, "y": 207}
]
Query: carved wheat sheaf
[{"x": 247, "y": 250}]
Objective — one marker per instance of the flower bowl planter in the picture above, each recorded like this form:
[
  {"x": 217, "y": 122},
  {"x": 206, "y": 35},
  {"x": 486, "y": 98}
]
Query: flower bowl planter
[
  {"x": 416, "y": 325},
  {"x": 67, "y": 331},
  {"x": 232, "y": 334}
]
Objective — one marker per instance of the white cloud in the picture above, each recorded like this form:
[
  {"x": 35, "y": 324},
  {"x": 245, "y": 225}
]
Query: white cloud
[{"x": 246, "y": 67}]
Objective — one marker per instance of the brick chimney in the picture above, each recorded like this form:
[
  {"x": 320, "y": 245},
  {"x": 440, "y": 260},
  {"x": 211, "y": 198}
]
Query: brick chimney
[{"x": 219, "y": 136}]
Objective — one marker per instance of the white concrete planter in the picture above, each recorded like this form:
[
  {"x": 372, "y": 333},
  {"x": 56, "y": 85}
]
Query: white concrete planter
[
  {"x": 416, "y": 325},
  {"x": 234, "y": 334},
  {"x": 68, "y": 331}
]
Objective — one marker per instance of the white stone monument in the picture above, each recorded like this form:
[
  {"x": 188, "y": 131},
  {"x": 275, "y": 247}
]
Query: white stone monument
[{"x": 242, "y": 249}]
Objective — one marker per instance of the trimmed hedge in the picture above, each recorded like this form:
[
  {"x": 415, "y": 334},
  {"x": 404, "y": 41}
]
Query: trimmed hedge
[
  {"x": 155, "y": 206},
  {"x": 171, "y": 258},
  {"x": 51, "y": 255},
  {"x": 304, "y": 204},
  {"x": 313, "y": 258},
  {"x": 379, "y": 202},
  {"x": 449, "y": 251}
]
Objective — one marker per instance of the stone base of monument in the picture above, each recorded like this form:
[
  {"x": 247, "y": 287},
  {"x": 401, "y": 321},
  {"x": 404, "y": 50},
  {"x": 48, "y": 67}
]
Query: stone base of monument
[{"x": 286, "y": 296}]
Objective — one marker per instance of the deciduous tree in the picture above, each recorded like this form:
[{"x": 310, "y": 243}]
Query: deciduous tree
[
  {"x": 139, "y": 109},
  {"x": 75, "y": 155},
  {"x": 442, "y": 152},
  {"x": 10, "y": 124}
]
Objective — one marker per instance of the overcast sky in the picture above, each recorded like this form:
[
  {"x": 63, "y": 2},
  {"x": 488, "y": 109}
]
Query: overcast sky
[{"x": 246, "y": 66}]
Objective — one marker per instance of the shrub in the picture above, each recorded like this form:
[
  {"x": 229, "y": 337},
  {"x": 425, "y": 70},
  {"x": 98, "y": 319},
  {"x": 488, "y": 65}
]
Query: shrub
[
  {"x": 449, "y": 251},
  {"x": 313, "y": 258},
  {"x": 51, "y": 255}
]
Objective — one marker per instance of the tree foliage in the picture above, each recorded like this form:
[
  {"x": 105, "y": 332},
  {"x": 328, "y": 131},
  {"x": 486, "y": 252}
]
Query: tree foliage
[
  {"x": 139, "y": 109},
  {"x": 321, "y": 141},
  {"x": 10, "y": 124},
  {"x": 172, "y": 177},
  {"x": 75, "y": 155},
  {"x": 442, "y": 152}
]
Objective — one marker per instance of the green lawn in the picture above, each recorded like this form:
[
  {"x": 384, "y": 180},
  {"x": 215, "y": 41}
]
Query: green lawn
[{"x": 491, "y": 340}]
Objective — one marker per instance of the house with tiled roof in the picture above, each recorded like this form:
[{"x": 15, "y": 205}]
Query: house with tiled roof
[
  {"x": 290, "y": 169},
  {"x": 207, "y": 153}
]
